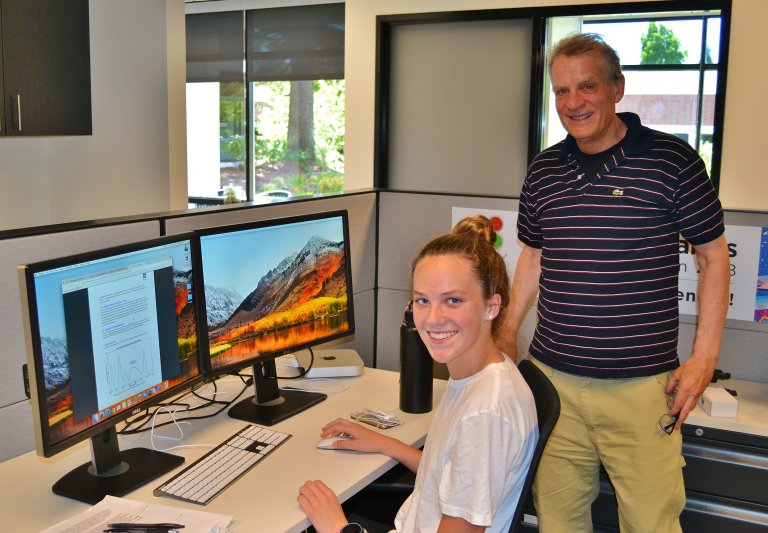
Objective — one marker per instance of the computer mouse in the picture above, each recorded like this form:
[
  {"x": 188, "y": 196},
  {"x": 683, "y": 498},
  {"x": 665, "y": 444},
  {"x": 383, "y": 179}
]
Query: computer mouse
[{"x": 327, "y": 443}]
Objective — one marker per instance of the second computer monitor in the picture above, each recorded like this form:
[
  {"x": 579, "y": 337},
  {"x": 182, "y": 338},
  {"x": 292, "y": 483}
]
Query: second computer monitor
[
  {"x": 110, "y": 333},
  {"x": 271, "y": 288}
]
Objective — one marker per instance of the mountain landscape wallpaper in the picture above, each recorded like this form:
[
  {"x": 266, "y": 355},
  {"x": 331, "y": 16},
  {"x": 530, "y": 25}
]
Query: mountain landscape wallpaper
[{"x": 297, "y": 296}]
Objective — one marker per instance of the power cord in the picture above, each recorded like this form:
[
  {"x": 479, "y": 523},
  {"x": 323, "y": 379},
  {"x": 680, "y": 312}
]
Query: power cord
[
  {"x": 302, "y": 371},
  {"x": 139, "y": 423}
]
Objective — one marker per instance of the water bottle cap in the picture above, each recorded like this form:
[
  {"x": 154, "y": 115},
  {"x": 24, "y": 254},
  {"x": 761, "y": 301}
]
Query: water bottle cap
[{"x": 408, "y": 315}]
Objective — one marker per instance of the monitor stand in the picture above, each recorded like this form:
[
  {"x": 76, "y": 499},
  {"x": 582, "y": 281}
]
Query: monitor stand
[
  {"x": 114, "y": 472},
  {"x": 270, "y": 404}
]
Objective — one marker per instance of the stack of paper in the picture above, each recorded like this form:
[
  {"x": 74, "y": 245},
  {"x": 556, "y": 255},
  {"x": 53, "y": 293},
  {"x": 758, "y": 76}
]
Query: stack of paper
[{"x": 111, "y": 510}]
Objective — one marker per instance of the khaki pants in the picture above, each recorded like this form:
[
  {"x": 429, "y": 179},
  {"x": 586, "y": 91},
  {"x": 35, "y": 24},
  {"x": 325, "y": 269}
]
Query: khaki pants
[{"x": 613, "y": 422}]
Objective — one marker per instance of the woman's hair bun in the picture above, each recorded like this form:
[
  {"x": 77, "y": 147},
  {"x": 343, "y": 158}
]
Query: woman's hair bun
[{"x": 478, "y": 225}]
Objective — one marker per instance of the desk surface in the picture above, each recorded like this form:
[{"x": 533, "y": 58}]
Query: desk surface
[
  {"x": 264, "y": 499},
  {"x": 752, "y": 413}
]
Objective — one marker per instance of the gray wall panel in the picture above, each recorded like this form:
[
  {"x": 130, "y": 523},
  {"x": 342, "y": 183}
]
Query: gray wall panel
[
  {"x": 408, "y": 220},
  {"x": 362, "y": 340},
  {"x": 16, "y": 436},
  {"x": 743, "y": 352},
  {"x": 392, "y": 302}
]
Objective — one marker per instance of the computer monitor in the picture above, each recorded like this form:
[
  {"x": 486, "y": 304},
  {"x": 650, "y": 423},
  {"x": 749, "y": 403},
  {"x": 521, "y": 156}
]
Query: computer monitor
[
  {"x": 271, "y": 288},
  {"x": 109, "y": 334}
]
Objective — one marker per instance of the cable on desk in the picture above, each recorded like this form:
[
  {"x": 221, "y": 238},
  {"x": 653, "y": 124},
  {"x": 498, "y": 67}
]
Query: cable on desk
[
  {"x": 149, "y": 414},
  {"x": 152, "y": 435},
  {"x": 302, "y": 371}
]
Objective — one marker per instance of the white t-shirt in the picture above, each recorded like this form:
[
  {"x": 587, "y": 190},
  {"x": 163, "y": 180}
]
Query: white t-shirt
[{"x": 477, "y": 453}]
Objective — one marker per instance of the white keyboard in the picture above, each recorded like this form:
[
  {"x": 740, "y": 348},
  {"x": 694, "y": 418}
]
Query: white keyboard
[{"x": 204, "y": 479}]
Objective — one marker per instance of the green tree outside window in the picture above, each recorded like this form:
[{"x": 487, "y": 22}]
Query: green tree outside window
[{"x": 661, "y": 47}]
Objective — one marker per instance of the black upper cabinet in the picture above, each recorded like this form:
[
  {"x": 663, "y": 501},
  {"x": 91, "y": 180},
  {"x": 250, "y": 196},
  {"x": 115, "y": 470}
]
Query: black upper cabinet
[{"x": 46, "y": 73}]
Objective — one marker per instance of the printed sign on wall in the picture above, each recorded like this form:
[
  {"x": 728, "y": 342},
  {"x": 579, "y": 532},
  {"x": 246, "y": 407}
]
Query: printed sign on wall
[{"x": 744, "y": 254}]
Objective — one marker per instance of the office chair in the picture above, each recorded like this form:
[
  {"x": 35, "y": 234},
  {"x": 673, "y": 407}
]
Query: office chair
[
  {"x": 398, "y": 482},
  {"x": 548, "y": 411}
]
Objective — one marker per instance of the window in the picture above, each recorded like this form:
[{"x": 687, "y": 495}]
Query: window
[
  {"x": 265, "y": 103},
  {"x": 671, "y": 62}
]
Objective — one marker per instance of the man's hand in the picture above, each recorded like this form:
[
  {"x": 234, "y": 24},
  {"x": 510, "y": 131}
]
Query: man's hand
[
  {"x": 693, "y": 376},
  {"x": 688, "y": 383}
]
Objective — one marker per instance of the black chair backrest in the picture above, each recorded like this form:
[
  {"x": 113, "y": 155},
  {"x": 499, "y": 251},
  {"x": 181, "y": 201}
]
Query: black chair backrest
[{"x": 548, "y": 411}]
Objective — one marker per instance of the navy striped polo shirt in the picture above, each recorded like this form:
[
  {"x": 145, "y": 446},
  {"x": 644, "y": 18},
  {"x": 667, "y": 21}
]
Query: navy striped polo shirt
[{"x": 610, "y": 251}]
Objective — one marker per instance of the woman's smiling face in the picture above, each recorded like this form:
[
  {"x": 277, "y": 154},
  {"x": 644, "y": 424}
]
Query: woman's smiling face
[{"x": 450, "y": 313}]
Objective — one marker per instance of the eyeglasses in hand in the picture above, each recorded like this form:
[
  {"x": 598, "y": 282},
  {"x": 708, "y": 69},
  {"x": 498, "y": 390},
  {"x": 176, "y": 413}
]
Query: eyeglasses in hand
[{"x": 667, "y": 421}]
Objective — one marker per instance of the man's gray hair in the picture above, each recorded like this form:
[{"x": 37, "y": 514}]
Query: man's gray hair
[{"x": 580, "y": 43}]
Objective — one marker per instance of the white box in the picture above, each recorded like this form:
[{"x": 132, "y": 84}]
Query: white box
[
  {"x": 332, "y": 363},
  {"x": 718, "y": 402},
  {"x": 328, "y": 363}
]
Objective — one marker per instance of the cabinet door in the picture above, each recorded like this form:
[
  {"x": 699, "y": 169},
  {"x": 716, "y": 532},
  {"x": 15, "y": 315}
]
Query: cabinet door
[{"x": 46, "y": 67}]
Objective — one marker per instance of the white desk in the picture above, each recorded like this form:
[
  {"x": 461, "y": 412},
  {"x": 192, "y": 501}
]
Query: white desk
[
  {"x": 264, "y": 500},
  {"x": 752, "y": 414}
]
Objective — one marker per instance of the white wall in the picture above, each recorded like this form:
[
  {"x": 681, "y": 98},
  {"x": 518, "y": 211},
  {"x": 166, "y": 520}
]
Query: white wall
[
  {"x": 135, "y": 161},
  {"x": 24, "y": 191},
  {"x": 742, "y": 170}
]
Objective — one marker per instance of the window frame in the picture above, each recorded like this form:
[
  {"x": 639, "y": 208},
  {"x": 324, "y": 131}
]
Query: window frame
[
  {"x": 538, "y": 16},
  {"x": 651, "y": 8},
  {"x": 250, "y": 56}
]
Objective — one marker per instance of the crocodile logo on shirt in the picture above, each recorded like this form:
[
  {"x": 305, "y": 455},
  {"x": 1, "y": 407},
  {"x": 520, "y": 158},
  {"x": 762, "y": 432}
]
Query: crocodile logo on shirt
[{"x": 617, "y": 192}]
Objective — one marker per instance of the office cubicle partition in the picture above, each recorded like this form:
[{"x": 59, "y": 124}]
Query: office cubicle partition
[{"x": 387, "y": 229}]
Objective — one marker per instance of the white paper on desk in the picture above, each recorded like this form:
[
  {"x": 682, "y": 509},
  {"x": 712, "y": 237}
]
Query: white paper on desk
[{"x": 112, "y": 509}]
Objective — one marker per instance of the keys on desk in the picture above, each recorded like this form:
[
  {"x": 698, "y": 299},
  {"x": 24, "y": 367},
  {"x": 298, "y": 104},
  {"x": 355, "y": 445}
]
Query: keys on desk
[{"x": 204, "y": 479}]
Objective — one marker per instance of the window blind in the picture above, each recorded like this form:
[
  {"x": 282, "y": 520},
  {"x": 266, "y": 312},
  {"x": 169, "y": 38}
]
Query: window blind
[
  {"x": 215, "y": 48},
  {"x": 295, "y": 43}
]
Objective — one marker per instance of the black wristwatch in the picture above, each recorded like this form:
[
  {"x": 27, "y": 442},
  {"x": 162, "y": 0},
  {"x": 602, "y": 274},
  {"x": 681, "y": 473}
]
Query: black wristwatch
[{"x": 353, "y": 527}]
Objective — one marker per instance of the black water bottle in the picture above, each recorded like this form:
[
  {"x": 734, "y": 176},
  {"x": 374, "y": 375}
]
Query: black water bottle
[{"x": 415, "y": 368}]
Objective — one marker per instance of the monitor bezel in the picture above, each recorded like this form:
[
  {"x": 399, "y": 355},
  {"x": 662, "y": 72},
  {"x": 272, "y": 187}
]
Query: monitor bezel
[
  {"x": 208, "y": 370},
  {"x": 44, "y": 445}
]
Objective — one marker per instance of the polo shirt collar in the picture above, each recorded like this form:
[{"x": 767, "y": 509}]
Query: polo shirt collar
[{"x": 637, "y": 140}]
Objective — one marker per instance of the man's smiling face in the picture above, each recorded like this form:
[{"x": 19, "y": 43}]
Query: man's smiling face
[{"x": 586, "y": 100}]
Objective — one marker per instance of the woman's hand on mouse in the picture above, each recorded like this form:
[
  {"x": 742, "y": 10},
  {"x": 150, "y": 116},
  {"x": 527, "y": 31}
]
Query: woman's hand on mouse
[{"x": 361, "y": 439}]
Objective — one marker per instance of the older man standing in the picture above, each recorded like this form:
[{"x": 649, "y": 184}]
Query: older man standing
[{"x": 601, "y": 213}]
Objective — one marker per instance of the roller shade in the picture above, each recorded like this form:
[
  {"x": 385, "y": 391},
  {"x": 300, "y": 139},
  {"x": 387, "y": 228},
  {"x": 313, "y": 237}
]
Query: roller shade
[
  {"x": 215, "y": 49},
  {"x": 295, "y": 43}
]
